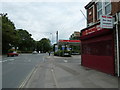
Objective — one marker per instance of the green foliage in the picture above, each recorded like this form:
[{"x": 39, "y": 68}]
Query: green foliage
[
  {"x": 11, "y": 50},
  {"x": 75, "y": 49},
  {"x": 9, "y": 35},
  {"x": 26, "y": 43},
  {"x": 62, "y": 53},
  {"x": 44, "y": 45},
  {"x": 12, "y": 37},
  {"x": 15, "y": 38}
]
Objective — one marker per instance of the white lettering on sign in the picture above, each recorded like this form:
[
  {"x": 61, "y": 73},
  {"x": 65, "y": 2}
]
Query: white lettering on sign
[
  {"x": 106, "y": 22},
  {"x": 92, "y": 30}
]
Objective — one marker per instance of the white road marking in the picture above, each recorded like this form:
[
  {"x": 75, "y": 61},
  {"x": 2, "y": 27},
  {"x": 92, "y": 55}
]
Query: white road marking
[
  {"x": 65, "y": 61},
  {"x": 5, "y": 60},
  {"x": 43, "y": 59},
  {"x": 52, "y": 70},
  {"x": 54, "y": 77},
  {"x": 29, "y": 60},
  {"x": 11, "y": 59}
]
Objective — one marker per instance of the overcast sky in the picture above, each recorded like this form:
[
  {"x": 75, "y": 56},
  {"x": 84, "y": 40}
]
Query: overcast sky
[{"x": 43, "y": 17}]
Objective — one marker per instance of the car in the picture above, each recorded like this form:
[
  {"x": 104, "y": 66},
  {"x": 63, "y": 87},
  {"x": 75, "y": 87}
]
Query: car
[
  {"x": 34, "y": 52},
  {"x": 12, "y": 53}
]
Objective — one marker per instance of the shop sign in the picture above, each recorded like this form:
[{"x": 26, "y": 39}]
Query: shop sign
[
  {"x": 106, "y": 22},
  {"x": 91, "y": 30}
]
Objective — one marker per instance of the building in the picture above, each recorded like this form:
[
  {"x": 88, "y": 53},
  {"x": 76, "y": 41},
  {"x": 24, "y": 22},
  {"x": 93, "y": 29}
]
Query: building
[
  {"x": 98, "y": 7},
  {"x": 75, "y": 36},
  {"x": 98, "y": 40}
]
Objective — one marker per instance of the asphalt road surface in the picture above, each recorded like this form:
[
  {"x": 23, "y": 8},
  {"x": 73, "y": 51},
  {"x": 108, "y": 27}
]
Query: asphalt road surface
[
  {"x": 16, "y": 69},
  {"x": 44, "y": 71}
]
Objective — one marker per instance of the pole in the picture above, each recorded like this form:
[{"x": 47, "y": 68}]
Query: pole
[
  {"x": 57, "y": 37},
  {"x": 51, "y": 38},
  {"x": 117, "y": 39}
]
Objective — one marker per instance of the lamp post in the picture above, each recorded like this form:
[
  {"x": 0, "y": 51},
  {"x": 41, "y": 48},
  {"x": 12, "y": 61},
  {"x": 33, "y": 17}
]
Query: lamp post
[
  {"x": 57, "y": 37},
  {"x": 51, "y": 37}
]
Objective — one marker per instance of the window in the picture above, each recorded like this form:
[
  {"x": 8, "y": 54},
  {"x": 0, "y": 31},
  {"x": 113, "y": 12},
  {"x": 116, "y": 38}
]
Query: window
[
  {"x": 99, "y": 9},
  {"x": 107, "y": 7},
  {"x": 103, "y": 7}
]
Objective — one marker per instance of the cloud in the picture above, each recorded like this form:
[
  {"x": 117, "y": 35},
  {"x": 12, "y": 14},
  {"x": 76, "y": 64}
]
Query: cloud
[
  {"x": 46, "y": 0},
  {"x": 43, "y": 18}
]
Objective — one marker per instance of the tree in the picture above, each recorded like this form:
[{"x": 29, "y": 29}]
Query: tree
[
  {"x": 15, "y": 38},
  {"x": 12, "y": 37},
  {"x": 9, "y": 34},
  {"x": 26, "y": 43},
  {"x": 44, "y": 45}
]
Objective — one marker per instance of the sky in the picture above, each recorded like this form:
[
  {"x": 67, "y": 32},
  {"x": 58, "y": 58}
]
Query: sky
[{"x": 42, "y": 18}]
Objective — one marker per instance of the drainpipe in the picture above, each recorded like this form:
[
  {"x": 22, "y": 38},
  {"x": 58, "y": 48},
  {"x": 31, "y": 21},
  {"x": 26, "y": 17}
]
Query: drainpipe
[{"x": 117, "y": 39}]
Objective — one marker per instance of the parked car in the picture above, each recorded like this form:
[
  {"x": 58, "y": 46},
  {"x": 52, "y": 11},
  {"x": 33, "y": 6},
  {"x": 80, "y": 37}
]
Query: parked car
[
  {"x": 34, "y": 52},
  {"x": 12, "y": 53}
]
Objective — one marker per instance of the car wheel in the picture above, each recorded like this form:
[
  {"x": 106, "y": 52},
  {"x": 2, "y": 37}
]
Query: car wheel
[{"x": 7, "y": 55}]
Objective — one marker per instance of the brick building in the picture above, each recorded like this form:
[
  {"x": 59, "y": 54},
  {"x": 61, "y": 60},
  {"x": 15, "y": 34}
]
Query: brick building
[
  {"x": 99, "y": 43},
  {"x": 96, "y": 8}
]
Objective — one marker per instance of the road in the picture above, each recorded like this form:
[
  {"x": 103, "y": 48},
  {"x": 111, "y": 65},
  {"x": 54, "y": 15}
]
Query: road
[
  {"x": 16, "y": 69},
  {"x": 44, "y": 71}
]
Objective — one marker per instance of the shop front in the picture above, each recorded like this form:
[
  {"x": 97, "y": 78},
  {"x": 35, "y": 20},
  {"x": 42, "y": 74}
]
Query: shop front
[{"x": 97, "y": 46}]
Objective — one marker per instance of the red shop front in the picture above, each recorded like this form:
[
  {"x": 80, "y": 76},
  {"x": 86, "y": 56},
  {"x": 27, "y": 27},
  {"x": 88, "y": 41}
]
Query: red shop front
[{"x": 98, "y": 49}]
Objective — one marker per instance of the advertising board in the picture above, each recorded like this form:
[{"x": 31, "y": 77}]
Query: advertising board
[{"x": 106, "y": 21}]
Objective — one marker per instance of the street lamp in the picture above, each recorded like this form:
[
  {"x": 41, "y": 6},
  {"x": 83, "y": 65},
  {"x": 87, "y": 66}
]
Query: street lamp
[{"x": 51, "y": 37}]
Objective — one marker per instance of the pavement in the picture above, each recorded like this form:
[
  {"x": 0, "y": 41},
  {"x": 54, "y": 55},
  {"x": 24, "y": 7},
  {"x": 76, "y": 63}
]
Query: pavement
[{"x": 67, "y": 72}]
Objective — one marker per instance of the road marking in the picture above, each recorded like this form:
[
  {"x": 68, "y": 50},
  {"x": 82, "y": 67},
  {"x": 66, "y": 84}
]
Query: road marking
[
  {"x": 65, "y": 61},
  {"x": 7, "y": 60},
  {"x": 52, "y": 70},
  {"x": 28, "y": 77},
  {"x": 55, "y": 80},
  {"x": 29, "y": 60},
  {"x": 11, "y": 59},
  {"x": 43, "y": 59}
]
